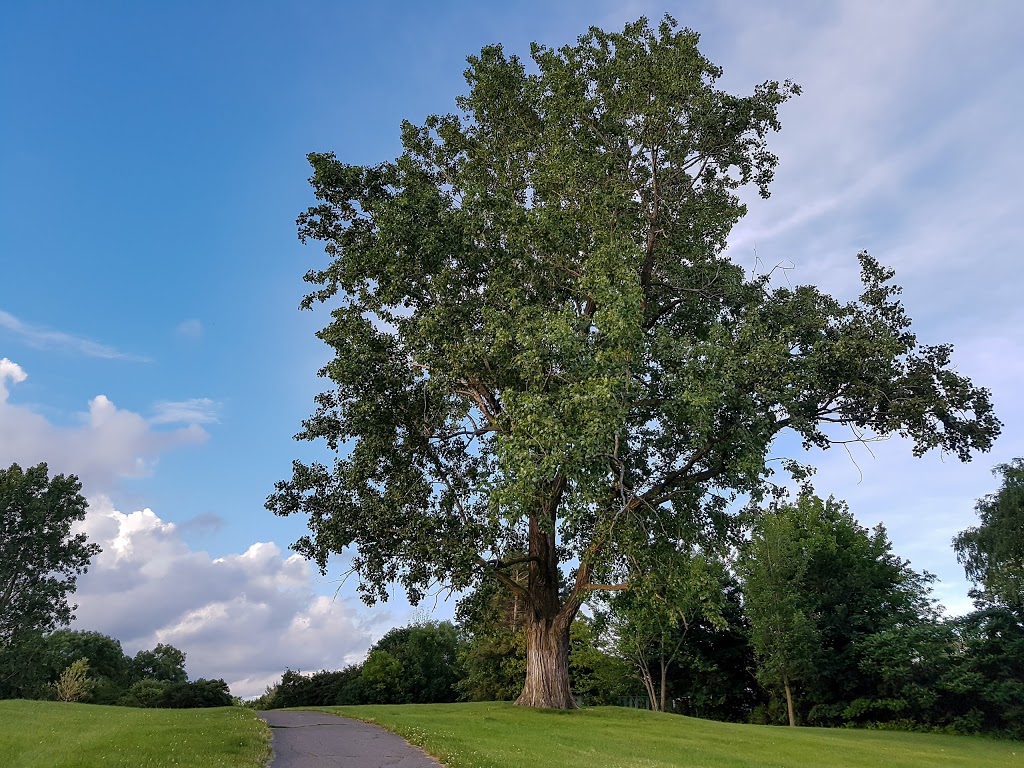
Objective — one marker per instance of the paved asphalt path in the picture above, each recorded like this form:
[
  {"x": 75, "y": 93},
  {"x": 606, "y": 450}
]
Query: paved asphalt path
[{"x": 319, "y": 740}]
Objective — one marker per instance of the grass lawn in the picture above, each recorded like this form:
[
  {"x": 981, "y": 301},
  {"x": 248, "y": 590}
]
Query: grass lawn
[
  {"x": 497, "y": 735},
  {"x": 45, "y": 734}
]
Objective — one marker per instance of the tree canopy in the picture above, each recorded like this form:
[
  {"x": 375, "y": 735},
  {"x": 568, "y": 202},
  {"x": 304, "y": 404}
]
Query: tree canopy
[
  {"x": 542, "y": 354},
  {"x": 164, "y": 662}
]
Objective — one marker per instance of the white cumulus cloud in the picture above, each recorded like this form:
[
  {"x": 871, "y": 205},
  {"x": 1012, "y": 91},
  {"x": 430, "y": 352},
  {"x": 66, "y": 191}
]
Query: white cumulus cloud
[
  {"x": 9, "y": 371},
  {"x": 100, "y": 445},
  {"x": 244, "y": 617}
]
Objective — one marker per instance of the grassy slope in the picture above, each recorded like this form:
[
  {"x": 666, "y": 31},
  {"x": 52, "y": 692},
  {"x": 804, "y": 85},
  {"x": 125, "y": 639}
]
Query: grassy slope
[
  {"x": 494, "y": 735},
  {"x": 40, "y": 734}
]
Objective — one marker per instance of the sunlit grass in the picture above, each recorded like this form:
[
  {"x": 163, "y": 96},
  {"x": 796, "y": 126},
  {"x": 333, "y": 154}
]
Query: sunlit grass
[
  {"x": 40, "y": 734},
  {"x": 495, "y": 735}
]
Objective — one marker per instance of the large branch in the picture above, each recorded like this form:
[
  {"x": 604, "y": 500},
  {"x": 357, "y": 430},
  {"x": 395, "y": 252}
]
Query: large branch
[
  {"x": 607, "y": 587},
  {"x": 499, "y": 564},
  {"x": 583, "y": 584},
  {"x": 681, "y": 476},
  {"x": 484, "y": 399},
  {"x": 652, "y": 222},
  {"x": 504, "y": 578}
]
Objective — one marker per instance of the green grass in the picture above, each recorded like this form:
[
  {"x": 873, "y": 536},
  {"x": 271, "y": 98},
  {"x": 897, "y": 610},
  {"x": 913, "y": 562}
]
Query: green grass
[
  {"x": 494, "y": 735},
  {"x": 43, "y": 734}
]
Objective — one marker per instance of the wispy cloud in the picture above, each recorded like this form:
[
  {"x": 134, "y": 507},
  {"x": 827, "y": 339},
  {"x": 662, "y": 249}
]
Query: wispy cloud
[
  {"x": 189, "y": 329},
  {"x": 198, "y": 410},
  {"x": 44, "y": 338}
]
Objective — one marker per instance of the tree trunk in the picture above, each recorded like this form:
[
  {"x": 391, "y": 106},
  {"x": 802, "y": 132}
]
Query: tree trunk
[
  {"x": 547, "y": 665},
  {"x": 789, "y": 704},
  {"x": 664, "y": 675},
  {"x": 648, "y": 681},
  {"x": 547, "y": 620}
]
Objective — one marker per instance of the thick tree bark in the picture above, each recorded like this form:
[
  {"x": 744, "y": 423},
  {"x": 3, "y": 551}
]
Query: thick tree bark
[
  {"x": 789, "y": 704},
  {"x": 547, "y": 664}
]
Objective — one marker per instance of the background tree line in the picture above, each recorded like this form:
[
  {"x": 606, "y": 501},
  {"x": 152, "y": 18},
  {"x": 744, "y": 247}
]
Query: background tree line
[{"x": 90, "y": 667}]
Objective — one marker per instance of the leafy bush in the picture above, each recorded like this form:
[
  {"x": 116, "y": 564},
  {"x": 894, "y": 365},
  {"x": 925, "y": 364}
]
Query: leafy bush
[
  {"x": 321, "y": 689},
  {"x": 144, "y": 693},
  {"x": 74, "y": 684},
  {"x": 199, "y": 693}
]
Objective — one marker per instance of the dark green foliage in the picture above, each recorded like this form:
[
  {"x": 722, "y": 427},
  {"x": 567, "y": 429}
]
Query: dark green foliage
[
  {"x": 383, "y": 681},
  {"x": 540, "y": 350},
  {"x": 320, "y": 689},
  {"x": 164, "y": 694},
  {"x": 992, "y": 552},
  {"x": 414, "y": 664},
  {"x": 990, "y": 671},
  {"x": 963, "y": 675},
  {"x": 672, "y": 587},
  {"x": 494, "y": 667},
  {"x": 683, "y": 614},
  {"x": 817, "y": 587},
  {"x": 195, "y": 694},
  {"x": 598, "y": 677},
  {"x": 117, "y": 678},
  {"x": 23, "y": 669},
  {"x": 40, "y": 559},
  {"x": 860, "y": 589},
  {"x": 144, "y": 693},
  {"x": 155, "y": 678},
  {"x": 714, "y": 675},
  {"x": 164, "y": 662},
  {"x": 906, "y": 665},
  {"x": 423, "y": 660},
  {"x": 494, "y": 652}
]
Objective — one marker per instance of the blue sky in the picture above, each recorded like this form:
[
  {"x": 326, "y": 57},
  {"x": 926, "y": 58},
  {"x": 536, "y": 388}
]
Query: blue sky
[{"x": 152, "y": 163}]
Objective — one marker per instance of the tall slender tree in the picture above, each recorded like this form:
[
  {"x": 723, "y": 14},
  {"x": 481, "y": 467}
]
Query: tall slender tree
[
  {"x": 773, "y": 567},
  {"x": 992, "y": 552},
  {"x": 40, "y": 557},
  {"x": 541, "y": 351},
  {"x": 669, "y": 591}
]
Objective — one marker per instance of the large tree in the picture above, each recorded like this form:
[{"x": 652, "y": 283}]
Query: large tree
[
  {"x": 40, "y": 557},
  {"x": 541, "y": 352},
  {"x": 772, "y": 566}
]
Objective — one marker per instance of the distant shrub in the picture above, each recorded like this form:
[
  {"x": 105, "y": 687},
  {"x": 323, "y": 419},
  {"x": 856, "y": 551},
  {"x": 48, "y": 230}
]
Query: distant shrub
[
  {"x": 145, "y": 693},
  {"x": 199, "y": 693},
  {"x": 168, "y": 695},
  {"x": 321, "y": 689}
]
